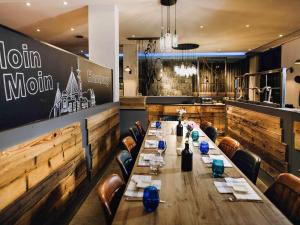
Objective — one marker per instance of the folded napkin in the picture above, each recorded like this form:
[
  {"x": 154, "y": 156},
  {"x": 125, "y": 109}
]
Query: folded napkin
[
  {"x": 138, "y": 183},
  {"x": 241, "y": 189},
  {"x": 151, "y": 144},
  {"x": 153, "y": 125},
  {"x": 144, "y": 159},
  {"x": 209, "y": 159},
  {"x": 154, "y": 132}
]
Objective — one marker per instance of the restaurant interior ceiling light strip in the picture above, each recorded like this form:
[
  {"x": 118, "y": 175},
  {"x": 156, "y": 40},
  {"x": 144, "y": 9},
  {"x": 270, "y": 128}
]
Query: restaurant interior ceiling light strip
[{"x": 195, "y": 54}]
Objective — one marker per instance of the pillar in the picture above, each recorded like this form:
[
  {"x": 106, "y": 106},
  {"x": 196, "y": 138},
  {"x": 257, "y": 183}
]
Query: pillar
[{"x": 103, "y": 25}]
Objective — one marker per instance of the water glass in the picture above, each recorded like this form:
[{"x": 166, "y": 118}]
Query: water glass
[
  {"x": 150, "y": 198},
  {"x": 162, "y": 145},
  {"x": 158, "y": 124},
  {"x": 154, "y": 165},
  {"x": 195, "y": 135},
  {"x": 204, "y": 147},
  {"x": 217, "y": 168}
]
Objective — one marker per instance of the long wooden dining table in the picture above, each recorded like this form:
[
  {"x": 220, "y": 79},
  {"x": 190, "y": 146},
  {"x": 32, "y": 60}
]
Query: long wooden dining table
[{"x": 191, "y": 197}]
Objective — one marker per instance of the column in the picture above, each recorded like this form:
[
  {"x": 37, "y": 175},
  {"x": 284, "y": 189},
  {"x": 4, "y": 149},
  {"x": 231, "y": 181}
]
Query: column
[{"x": 103, "y": 22}]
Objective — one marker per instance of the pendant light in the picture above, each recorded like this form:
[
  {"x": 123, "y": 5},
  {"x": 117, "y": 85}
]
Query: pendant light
[
  {"x": 168, "y": 40},
  {"x": 175, "y": 37}
]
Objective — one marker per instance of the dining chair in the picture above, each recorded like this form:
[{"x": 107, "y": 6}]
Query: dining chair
[
  {"x": 125, "y": 162},
  {"x": 285, "y": 195},
  {"x": 110, "y": 192},
  {"x": 140, "y": 128},
  {"x": 248, "y": 163},
  {"x": 229, "y": 146},
  {"x": 134, "y": 132},
  {"x": 211, "y": 132},
  {"x": 131, "y": 146},
  {"x": 205, "y": 124}
]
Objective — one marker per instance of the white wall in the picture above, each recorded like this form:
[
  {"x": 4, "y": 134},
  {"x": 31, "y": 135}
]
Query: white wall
[
  {"x": 104, "y": 39},
  {"x": 290, "y": 53}
]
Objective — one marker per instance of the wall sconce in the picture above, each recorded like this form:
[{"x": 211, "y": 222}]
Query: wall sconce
[{"x": 128, "y": 70}]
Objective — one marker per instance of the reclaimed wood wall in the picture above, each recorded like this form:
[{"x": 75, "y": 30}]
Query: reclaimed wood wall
[
  {"x": 212, "y": 113},
  {"x": 261, "y": 134},
  {"x": 38, "y": 177},
  {"x": 103, "y": 134},
  {"x": 297, "y": 135}
]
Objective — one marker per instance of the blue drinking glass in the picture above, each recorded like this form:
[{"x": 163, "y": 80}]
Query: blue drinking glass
[
  {"x": 158, "y": 124},
  {"x": 204, "y": 147},
  {"x": 150, "y": 198},
  {"x": 161, "y": 144},
  {"x": 195, "y": 135},
  {"x": 217, "y": 168}
]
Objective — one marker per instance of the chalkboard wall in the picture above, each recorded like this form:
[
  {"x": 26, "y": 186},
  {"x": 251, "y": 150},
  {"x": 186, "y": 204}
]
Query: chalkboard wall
[{"x": 39, "y": 81}]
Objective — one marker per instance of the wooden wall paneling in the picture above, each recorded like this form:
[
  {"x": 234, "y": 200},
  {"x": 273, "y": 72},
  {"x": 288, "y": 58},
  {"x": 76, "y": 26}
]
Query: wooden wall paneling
[
  {"x": 197, "y": 113},
  {"x": 41, "y": 175},
  {"x": 138, "y": 102},
  {"x": 103, "y": 135},
  {"x": 297, "y": 135},
  {"x": 261, "y": 134}
]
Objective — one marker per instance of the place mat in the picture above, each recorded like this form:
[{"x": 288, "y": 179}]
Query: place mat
[
  {"x": 137, "y": 184},
  {"x": 144, "y": 159},
  {"x": 151, "y": 144},
  {"x": 208, "y": 159},
  {"x": 241, "y": 189},
  {"x": 154, "y": 132}
]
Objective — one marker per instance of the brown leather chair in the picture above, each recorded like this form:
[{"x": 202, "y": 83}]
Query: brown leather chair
[
  {"x": 205, "y": 124},
  {"x": 229, "y": 146},
  {"x": 285, "y": 195},
  {"x": 140, "y": 128},
  {"x": 131, "y": 146},
  {"x": 110, "y": 192}
]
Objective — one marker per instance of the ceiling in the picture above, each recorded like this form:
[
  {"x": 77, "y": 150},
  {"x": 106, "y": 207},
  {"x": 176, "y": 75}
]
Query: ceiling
[{"x": 224, "y": 21}]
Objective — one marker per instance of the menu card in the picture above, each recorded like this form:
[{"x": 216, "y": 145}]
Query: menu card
[
  {"x": 151, "y": 144},
  {"x": 209, "y": 159},
  {"x": 138, "y": 183},
  {"x": 144, "y": 159}
]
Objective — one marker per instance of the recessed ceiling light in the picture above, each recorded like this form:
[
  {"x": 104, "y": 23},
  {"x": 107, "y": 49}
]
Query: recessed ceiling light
[
  {"x": 72, "y": 29},
  {"x": 249, "y": 49},
  {"x": 133, "y": 35},
  {"x": 38, "y": 30},
  {"x": 247, "y": 25},
  {"x": 201, "y": 27},
  {"x": 28, "y": 3},
  {"x": 280, "y": 35},
  {"x": 65, "y": 3}
]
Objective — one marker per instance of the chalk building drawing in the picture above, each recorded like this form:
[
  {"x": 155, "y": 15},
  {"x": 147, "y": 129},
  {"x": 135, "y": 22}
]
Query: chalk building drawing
[{"x": 72, "y": 99}]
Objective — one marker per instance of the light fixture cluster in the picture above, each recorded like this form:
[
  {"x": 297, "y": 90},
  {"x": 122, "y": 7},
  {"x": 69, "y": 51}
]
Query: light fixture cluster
[
  {"x": 167, "y": 39},
  {"x": 185, "y": 71}
]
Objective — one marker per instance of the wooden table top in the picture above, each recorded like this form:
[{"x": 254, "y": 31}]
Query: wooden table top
[{"x": 191, "y": 197}]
